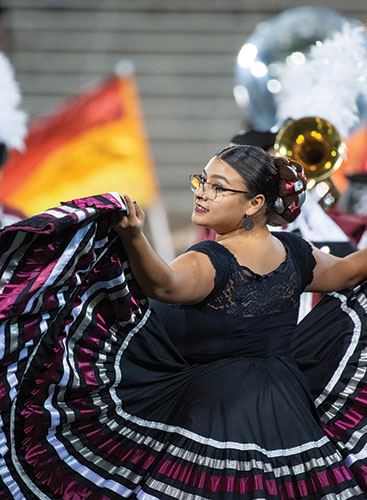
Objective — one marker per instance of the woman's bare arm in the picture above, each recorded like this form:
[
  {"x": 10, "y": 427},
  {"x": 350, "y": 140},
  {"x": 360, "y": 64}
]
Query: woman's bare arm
[
  {"x": 335, "y": 273},
  {"x": 188, "y": 279}
]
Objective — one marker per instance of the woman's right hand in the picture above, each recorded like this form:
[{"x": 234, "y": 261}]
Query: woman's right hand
[{"x": 131, "y": 225}]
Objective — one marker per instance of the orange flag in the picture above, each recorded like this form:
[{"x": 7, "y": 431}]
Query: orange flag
[
  {"x": 356, "y": 158},
  {"x": 94, "y": 144}
]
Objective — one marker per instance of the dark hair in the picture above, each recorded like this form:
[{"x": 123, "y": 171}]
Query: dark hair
[{"x": 280, "y": 180}]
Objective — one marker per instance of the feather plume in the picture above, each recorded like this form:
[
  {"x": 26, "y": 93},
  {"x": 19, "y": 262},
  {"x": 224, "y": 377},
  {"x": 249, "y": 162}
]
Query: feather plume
[{"x": 329, "y": 82}]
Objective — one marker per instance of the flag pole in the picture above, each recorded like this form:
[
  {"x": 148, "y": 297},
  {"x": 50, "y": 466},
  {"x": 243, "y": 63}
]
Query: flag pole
[{"x": 160, "y": 231}]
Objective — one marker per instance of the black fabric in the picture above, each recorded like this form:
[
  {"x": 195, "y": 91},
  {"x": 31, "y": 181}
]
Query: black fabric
[
  {"x": 203, "y": 334},
  {"x": 240, "y": 291},
  {"x": 302, "y": 255}
]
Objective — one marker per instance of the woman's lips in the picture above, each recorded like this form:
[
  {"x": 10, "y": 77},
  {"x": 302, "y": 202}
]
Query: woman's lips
[{"x": 199, "y": 209}]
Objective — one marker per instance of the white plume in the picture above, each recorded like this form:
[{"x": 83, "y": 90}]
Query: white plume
[
  {"x": 328, "y": 83},
  {"x": 13, "y": 121}
]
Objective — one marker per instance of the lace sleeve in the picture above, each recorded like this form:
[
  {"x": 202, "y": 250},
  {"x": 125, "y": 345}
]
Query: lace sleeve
[
  {"x": 221, "y": 263},
  {"x": 302, "y": 254}
]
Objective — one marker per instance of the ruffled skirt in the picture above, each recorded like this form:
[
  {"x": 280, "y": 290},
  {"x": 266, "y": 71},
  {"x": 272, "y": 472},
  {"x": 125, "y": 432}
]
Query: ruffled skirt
[{"x": 98, "y": 404}]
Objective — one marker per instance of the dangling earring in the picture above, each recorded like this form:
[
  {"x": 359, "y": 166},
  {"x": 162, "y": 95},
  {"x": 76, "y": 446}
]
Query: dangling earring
[{"x": 248, "y": 223}]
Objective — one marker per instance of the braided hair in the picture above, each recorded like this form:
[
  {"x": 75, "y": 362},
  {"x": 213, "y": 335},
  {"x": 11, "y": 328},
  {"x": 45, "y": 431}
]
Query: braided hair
[{"x": 280, "y": 180}]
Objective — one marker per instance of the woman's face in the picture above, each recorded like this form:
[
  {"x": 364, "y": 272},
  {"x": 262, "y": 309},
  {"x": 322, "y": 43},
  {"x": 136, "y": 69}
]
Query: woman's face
[{"x": 222, "y": 211}]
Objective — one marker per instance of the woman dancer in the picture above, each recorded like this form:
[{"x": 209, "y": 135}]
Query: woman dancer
[
  {"x": 202, "y": 396},
  {"x": 240, "y": 297}
]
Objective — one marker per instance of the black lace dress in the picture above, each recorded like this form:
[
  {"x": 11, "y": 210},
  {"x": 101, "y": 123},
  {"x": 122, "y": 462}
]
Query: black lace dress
[{"x": 105, "y": 397}]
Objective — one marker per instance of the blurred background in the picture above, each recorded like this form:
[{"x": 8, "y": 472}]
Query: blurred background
[{"x": 186, "y": 70}]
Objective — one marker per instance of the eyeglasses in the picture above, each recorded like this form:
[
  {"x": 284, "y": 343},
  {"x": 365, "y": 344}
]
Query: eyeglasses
[{"x": 212, "y": 191}]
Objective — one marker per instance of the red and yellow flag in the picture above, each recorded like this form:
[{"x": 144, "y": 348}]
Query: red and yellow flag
[
  {"x": 356, "y": 158},
  {"x": 94, "y": 144}
]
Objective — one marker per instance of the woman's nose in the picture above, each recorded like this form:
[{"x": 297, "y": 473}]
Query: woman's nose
[{"x": 200, "y": 192}]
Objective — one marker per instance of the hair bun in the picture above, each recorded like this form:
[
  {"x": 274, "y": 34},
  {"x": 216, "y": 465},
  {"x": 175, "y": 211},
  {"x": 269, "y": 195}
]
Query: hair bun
[{"x": 292, "y": 191}]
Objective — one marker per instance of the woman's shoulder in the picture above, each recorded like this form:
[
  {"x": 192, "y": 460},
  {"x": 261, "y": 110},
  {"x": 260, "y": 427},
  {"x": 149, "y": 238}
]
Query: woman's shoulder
[
  {"x": 214, "y": 250},
  {"x": 295, "y": 243},
  {"x": 221, "y": 261},
  {"x": 301, "y": 253},
  {"x": 205, "y": 246},
  {"x": 291, "y": 238}
]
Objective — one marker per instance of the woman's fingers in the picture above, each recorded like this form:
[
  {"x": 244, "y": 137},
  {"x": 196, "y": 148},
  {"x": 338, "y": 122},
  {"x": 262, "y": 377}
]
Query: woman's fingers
[
  {"x": 138, "y": 210},
  {"x": 130, "y": 217},
  {"x": 134, "y": 208},
  {"x": 129, "y": 204},
  {"x": 133, "y": 221}
]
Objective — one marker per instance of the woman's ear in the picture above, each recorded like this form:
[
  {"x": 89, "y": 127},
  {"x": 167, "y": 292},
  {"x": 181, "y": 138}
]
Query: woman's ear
[{"x": 256, "y": 203}]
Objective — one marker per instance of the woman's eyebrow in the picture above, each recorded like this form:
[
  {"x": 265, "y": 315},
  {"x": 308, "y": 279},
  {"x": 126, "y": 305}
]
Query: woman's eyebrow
[{"x": 217, "y": 176}]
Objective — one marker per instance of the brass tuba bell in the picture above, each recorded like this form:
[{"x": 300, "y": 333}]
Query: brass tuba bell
[
  {"x": 314, "y": 143},
  {"x": 317, "y": 146}
]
